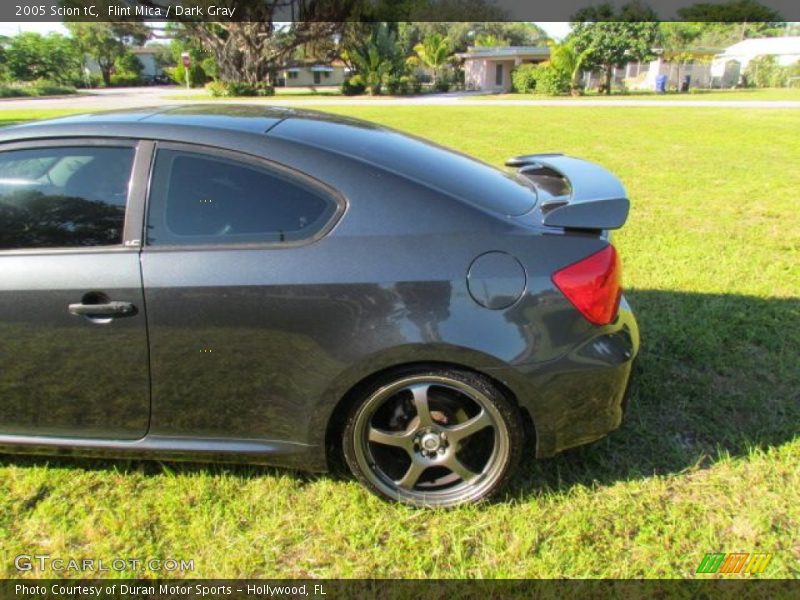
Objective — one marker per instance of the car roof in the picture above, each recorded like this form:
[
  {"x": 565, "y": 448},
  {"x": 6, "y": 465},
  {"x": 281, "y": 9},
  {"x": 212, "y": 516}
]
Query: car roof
[
  {"x": 237, "y": 125},
  {"x": 233, "y": 117}
]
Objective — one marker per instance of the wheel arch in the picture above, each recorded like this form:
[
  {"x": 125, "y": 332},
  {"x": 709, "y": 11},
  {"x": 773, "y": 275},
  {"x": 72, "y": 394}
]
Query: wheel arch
[{"x": 336, "y": 420}]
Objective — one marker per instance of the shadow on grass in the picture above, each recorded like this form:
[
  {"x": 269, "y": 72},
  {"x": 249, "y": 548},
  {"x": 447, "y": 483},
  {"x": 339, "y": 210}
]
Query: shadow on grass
[{"x": 717, "y": 376}]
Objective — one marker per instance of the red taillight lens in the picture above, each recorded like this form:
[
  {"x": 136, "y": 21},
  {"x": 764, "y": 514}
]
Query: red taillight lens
[{"x": 593, "y": 285}]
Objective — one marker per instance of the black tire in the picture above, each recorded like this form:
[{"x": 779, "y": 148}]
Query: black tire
[{"x": 433, "y": 437}]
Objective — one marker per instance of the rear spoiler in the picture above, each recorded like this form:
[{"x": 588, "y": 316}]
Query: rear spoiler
[{"x": 574, "y": 193}]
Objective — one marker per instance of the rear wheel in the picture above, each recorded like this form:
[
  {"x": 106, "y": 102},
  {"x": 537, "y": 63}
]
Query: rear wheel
[{"x": 434, "y": 438}]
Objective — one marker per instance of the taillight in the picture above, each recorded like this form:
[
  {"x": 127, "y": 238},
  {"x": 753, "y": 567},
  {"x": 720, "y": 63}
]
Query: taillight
[{"x": 593, "y": 285}]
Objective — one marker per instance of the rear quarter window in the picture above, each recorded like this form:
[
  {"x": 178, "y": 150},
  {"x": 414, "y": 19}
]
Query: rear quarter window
[{"x": 199, "y": 199}]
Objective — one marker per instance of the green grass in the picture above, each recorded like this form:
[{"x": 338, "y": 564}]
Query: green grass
[
  {"x": 695, "y": 94},
  {"x": 707, "y": 459},
  {"x": 14, "y": 117}
]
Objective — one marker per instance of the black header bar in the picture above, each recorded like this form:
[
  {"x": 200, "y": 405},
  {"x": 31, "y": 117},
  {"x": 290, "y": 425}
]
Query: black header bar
[{"x": 386, "y": 10}]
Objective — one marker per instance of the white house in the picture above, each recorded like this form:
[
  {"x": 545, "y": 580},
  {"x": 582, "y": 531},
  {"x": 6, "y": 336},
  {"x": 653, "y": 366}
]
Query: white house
[
  {"x": 728, "y": 66},
  {"x": 489, "y": 69}
]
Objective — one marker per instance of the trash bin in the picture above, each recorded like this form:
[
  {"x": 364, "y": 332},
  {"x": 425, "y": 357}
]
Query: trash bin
[
  {"x": 685, "y": 83},
  {"x": 661, "y": 83}
]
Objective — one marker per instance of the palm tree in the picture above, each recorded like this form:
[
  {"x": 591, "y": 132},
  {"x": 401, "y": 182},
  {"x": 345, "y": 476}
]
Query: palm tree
[
  {"x": 374, "y": 58},
  {"x": 565, "y": 58},
  {"x": 434, "y": 52}
]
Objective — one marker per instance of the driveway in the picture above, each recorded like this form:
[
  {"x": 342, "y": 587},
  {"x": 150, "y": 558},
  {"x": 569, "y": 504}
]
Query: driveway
[{"x": 116, "y": 98}]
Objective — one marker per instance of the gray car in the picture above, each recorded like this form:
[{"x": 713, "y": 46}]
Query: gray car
[{"x": 259, "y": 284}]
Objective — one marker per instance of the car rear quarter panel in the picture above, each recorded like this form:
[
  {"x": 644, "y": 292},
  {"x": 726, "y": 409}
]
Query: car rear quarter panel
[{"x": 264, "y": 342}]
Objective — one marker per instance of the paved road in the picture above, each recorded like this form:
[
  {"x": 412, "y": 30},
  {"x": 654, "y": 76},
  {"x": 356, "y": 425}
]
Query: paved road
[{"x": 161, "y": 95}]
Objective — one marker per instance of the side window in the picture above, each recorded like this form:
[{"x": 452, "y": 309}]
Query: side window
[
  {"x": 201, "y": 199},
  {"x": 63, "y": 197}
]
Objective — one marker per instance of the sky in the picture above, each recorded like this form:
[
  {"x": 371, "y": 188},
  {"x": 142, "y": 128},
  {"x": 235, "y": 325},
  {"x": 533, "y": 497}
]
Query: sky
[{"x": 555, "y": 30}]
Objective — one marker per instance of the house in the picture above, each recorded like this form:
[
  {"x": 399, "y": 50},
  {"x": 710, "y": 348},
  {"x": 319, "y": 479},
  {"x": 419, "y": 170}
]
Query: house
[
  {"x": 304, "y": 73},
  {"x": 148, "y": 56},
  {"x": 489, "y": 69},
  {"x": 728, "y": 66}
]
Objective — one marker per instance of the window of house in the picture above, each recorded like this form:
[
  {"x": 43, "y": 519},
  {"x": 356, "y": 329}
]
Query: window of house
[
  {"x": 202, "y": 199},
  {"x": 63, "y": 197},
  {"x": 317, "y": 77}
]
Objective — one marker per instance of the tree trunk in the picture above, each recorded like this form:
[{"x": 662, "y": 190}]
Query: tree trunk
[
  {"x": 105, "y": 71},
  {"x": 609, "y": 77}
]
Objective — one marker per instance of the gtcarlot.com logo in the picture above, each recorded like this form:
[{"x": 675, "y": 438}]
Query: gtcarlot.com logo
[
  {"x": 44, "y": 562},
  {"x": 734, "y": 562}
]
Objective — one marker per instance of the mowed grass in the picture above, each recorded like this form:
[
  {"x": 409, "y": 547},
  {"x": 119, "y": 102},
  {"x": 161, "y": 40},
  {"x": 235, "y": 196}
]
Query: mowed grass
[
  {"x": 707, "y": 460},
  {"x": 693, "y": 94}
]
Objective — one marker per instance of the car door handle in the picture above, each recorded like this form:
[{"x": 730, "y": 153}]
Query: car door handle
[{"x": 109, "y": 309}]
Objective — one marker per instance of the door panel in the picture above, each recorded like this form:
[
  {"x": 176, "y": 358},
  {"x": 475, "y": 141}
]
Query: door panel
[
  {"x": 230, "y": 340},
  {"x": 72, "y": 363},
  {"x": 68, "y": 375}
]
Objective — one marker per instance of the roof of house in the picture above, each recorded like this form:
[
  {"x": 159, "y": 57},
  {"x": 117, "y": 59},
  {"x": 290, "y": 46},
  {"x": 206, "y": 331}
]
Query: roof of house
[
  {"x": 319, "y": 65},
  {"x": 761, "y": 46},
  {"x": 505, "y": 52}
]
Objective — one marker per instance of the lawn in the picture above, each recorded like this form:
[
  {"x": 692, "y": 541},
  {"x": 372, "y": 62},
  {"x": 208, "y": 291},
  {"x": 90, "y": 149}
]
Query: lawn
[
  {"x": 745, "y": 94},
  {"x": 707, "y": 460}
]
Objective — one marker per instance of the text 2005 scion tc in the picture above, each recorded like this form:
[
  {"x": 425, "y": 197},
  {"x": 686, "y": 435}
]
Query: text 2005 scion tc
[{"x": 288, "y": 287}]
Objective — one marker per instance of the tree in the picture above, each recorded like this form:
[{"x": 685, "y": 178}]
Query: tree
[
  {"x": 106, "y": 42},
  {"x": 675, "y": 39},
  {"x": 463, "y": 34},
  {"x": 434, "y": 52},
  {"x": 565, "y": 58},
  {"x": 735, "y": 11},
  {"x": 30, "y": 56},
  {"x": 724, "y": 24},
  {"x": 610, "y": 39},
  {"x": 374, "y": 56}
]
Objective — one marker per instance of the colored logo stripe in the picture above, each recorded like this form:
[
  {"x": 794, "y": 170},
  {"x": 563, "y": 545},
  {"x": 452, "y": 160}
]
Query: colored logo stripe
[
  {"x": 735, "y": 562},
  {"x": 711, "y": 562}
]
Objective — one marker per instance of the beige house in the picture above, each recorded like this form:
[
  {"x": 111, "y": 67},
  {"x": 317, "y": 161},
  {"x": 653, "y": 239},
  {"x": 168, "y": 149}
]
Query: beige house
[
  {"x": 310, "y": 74},
  {"x": 489, "y": 69}
]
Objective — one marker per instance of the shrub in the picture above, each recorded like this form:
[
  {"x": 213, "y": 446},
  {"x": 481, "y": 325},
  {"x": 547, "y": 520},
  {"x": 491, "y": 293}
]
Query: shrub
[
  {"x": 540, "y": 79},
  {"x": 40, "y": 88},
  {"x": 218, "y": 89},
  {"x": 793, "y": 72},
  {"x": 764, "y": 71},
  {"x": 125, "y": 79},
  {"x": 353, "y": 86},
  {"x": 415, "y": 84},
  {"x": 13, "y": 91},
  {"x": 523, "y": 79},
  {"x": 127, "y": 70},
  {"x": 397, "y": 86},
  {"x": 50, "y": 88},
  {"x": 249, "y": 89},
  {"x": 197, "y": 76},
  {"x": 230, "y": 89}
]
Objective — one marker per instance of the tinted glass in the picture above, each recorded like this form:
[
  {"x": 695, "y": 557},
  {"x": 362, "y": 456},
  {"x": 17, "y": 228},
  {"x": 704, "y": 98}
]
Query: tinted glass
[
  {"x": 200, "y": 199},
  {"x": 63, "y": 197}
]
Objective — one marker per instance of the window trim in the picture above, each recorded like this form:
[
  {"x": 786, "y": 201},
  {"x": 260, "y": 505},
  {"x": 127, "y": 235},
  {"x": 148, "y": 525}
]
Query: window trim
[
  {"x": 134, "y": 216},
  {"x": 256, "y": 161}
]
